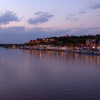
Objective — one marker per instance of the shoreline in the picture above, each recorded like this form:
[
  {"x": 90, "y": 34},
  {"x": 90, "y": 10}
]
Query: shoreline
[
  {"x": 88, "y": 53},
  {"x": 66, "y": 51}
]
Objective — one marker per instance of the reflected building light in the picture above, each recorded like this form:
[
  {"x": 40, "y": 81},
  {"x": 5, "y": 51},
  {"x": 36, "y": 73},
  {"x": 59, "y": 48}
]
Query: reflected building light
[
  {"x": 32, "y": 52},
  {"x": 57, "y": 53},
  {"x": 94, "y": 59},
  {"x": 87, "y": 58},
  {"x": 37, "y": 52},
  {"x": 84, "y": 57},
  {"x": 70, "y": 54},
  {"x": 62, "y": 54},
  {"x": 48, "y": 52},
  {"x": 79, "y": 58},
  {"x": 28, "y": 51},
  {"x": 75, "y": 56},
  {"x": 91, "y": 59},
  {"x": 98, "y": 60},
  {"x": 40, "y": 55},
  {"x": 40, "y": 50}
]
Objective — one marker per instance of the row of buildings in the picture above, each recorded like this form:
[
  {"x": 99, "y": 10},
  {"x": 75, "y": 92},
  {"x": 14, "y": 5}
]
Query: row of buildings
[{"x": 85, "y": 44}]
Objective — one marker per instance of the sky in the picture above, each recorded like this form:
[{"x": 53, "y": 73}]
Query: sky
[{"x": 24, "y": 20}]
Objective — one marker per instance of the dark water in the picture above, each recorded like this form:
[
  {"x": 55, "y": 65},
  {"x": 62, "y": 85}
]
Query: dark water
[{"x": 48, "y": 75}]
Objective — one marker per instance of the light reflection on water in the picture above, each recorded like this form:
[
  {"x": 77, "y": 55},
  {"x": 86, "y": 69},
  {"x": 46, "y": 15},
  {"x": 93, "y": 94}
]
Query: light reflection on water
[{"x": 48, "y": 75}]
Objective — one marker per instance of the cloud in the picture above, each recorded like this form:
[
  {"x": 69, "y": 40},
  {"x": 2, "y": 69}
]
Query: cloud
[
  {"x": 85, "y": 31},
  {"x": 76, "y": 19},
  {"x": 82, "y": 12},
  {"x": 98, "y": 15},
  {"x": 95, "y": 6},
  {"x": 68, "y": 18},
  {"x": 42, "y": 17},
  {"x": 37, "y": 13},
  {"x": 71, "y": 17},
  {"x": 8, "y": 17},
  {"x": 22, "y": 35}
]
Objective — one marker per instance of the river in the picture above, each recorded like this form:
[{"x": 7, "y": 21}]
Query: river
[{"x": 48, "y": 75}]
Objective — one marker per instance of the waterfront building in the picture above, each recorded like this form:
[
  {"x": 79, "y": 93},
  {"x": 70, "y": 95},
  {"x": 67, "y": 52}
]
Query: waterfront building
[{"x": 91, "y": 42}]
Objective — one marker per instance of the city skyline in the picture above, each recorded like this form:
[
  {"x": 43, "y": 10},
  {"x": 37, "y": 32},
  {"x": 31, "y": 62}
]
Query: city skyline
[{"x": 21, "y": 21}]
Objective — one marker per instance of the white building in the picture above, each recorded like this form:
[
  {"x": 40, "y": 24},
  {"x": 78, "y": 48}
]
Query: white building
[{"x": 98, "y": 48}]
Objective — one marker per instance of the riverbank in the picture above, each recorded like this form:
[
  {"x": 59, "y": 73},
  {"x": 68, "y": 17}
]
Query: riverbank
[
  {"x": 64, "y": 49},
  {"x": 85, "y": 52}
]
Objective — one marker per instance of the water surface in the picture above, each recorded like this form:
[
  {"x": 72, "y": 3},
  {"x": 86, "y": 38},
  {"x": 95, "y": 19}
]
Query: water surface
[{"x": 48, "y": 75}]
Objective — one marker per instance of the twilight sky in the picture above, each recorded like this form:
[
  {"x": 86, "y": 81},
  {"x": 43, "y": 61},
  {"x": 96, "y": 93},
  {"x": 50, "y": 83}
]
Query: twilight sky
[{"x": 24, "y": 20}]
